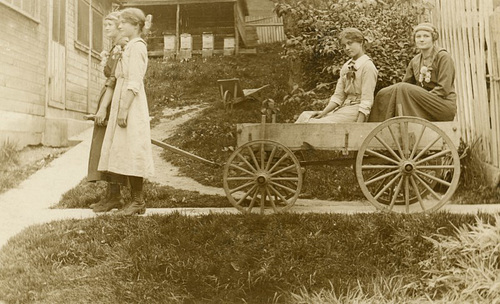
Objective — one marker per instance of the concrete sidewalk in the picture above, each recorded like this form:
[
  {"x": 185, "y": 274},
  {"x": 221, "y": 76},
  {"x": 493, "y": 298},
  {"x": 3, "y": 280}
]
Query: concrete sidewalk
[{"x": 30, "y": 202}]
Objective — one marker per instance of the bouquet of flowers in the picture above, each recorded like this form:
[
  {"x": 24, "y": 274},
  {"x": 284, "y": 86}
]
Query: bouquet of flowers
[{"x": 425, "y": 75}]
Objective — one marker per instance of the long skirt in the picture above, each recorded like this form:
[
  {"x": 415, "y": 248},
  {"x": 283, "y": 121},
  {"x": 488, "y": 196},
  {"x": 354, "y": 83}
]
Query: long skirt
[
  {"x": 414, "y": 101},
  {"x": 95, "y": 148},
  {"x": 93, "y": 174},
  {"x": 343, "y": 114}
]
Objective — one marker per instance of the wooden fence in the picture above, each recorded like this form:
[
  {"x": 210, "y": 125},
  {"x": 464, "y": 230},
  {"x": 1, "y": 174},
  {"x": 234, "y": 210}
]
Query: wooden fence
[
  {"x": 470, "y": 31},
  {"x": 269, "y": 28}
]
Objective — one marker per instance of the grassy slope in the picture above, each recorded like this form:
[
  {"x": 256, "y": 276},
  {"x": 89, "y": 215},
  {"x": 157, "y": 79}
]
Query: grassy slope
[{"x": 214, "y": 258}]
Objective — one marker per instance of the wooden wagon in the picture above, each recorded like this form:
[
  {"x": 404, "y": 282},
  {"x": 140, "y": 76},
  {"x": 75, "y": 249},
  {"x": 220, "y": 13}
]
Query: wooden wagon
[{"x": 405, "y": 164}]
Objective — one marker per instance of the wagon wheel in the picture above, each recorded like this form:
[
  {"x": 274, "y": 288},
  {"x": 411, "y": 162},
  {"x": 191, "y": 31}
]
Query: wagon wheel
[
  {"x": 402, "y": 160},
  {"x": 262, "y": 174},
  {"x": 227, "y": 99}
]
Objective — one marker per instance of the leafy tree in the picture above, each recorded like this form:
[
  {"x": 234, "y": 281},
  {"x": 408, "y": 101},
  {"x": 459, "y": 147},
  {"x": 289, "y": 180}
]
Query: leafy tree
[{"x": 315, "y": 52}]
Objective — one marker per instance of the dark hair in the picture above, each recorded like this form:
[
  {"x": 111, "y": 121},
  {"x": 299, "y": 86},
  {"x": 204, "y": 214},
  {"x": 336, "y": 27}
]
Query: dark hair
[{"x": 353, "y": 34}]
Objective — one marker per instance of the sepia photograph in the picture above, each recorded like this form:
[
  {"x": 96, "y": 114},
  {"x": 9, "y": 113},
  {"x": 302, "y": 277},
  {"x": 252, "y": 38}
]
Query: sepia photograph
[{"x": 250, "y": 151}]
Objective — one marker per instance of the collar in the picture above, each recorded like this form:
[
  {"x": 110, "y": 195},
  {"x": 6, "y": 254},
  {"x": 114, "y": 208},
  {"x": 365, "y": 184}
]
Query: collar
[
  {"x": 359, "y": 62},
  {"x": 135, "y": 40}
]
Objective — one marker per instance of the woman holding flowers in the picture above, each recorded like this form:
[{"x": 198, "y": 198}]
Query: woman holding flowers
[
  {"x": 353, "y": 97},
  {"x": 427, "y": 89},
  {"x": 126, "y": 150},
  {"x": 109, "y": 60}
]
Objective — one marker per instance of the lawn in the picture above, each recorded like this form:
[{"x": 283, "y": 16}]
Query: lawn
[
  {"x": 282, "y": 258},
  {"x": 237, "y": 258}
]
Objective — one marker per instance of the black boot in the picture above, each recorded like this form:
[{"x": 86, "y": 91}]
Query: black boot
[
  {"x": 137, "y": 205},
  {"x": 115, "y": 200},
  {"x": 103, "y": 200}
]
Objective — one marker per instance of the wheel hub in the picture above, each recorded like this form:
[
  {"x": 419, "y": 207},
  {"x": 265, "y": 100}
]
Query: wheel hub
[
  {"x": 262, "y": 179},
  {"x": 407, "y": 167}
]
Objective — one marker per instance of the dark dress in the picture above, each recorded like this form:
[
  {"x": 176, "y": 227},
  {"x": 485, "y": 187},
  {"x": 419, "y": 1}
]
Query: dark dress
[
  {"x": 428, "y": 95},
  {"x": 99, "y": 131}
]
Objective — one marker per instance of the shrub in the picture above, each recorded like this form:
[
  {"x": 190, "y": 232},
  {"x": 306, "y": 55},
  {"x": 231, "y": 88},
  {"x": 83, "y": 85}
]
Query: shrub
[{"x": 315, "y": 52}]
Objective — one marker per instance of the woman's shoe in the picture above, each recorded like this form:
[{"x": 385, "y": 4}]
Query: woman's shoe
[
  {"x": 115, "y": 202},
  {"x": 132, "y": 209}
]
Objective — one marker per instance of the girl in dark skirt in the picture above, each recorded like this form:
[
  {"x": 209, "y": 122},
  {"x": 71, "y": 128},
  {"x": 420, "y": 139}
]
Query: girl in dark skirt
[
  {"x": 113, "y": 197},
  {"x": 427, "y": 90}
]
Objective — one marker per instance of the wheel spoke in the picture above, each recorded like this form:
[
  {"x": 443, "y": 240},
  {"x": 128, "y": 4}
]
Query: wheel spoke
[
  {"x": 427, "y": 186},
  {"x": 283, "y": 187},
  {"x": 241, "y": 187},
  {"x": 262, "y": 155},
  {"x": 269, "y": 161},
  {"x": 368, "y": 182},
  {"x": 417, "y": 192},
  {"x": 388, "y": 148},
  {"x": 283, "y": 199},
  {"x": 290, "y": 179},
  {"x": 396, "y": 193},
  {"x": 396, "y": 142},
  {"x": 240, "y": 178},
  {"x": 278, "y": 162},
  {"x": 389, "y": 184},
  {"x": 407, "y": 194},
  {"x": 368, "y": 167},
  {"x": 254, "y": 159},
  {"x": 245, "y": 196},
  {"x": 252, "y": 202},
  {"x": 417, "y": 142},
  {"x": 241, "y": 169},
  {"x": 283, "y": 170},
  {"x": 427, "y": 148},
  {"x": 262, "y": 200},
  {"x": 271, "y": 199},
  {"x": 435, "y": 167},
  {"x": 369, "y": 151},
  {"x": 246, "y": 162},
  {"x": 436, "y": 179},
  {"x": 433, "y": 156},
  {"x": 406, "y": 139}
]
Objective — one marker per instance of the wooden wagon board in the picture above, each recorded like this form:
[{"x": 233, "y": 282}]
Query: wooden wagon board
[{"x": 338, "y": 136}]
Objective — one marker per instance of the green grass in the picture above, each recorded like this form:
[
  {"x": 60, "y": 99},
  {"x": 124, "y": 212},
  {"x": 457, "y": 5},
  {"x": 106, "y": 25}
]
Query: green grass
[
  {"x": 218, "y": 258},
  {"x": 155, "y": 195}
]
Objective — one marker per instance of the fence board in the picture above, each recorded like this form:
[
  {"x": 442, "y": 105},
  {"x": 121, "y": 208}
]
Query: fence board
[
  {"x": 467, "y": 32},
  {"x": 269, "y": 28},
  {"x": 494, "y": 70}
]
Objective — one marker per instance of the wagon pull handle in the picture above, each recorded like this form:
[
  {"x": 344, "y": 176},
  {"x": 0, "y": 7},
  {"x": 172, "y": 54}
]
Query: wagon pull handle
[{"x": 182, "y": 152}]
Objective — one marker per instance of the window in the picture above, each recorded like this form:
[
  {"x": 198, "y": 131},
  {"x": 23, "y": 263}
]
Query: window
[
  {"x": 84, "y": 30},
  {"x": 59, "y": 21},
  {"x": 29, "y": 8}
]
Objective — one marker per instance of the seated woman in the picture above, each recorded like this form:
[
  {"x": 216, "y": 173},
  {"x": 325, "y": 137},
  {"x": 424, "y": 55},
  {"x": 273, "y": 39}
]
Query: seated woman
[
  {"x": 427, "y": 89},
  {"x": 353, "y": 97}
]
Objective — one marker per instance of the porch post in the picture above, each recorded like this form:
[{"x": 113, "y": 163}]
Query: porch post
[
  {"x": 89, "y": 59},
  {"x": 177, "y": 30},
  {"x": 236, "y": 38}
]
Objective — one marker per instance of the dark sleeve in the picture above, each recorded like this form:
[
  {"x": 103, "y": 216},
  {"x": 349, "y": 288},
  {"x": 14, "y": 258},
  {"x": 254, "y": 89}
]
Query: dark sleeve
[
  {"x": 445, "y": 75},
  {"x": 410, "y": 75},
  {"x": 109, "y": 72}
]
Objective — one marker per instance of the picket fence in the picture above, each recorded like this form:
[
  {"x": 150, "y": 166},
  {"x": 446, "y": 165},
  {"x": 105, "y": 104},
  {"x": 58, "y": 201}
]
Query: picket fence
[{"x": 470, "y": 31}]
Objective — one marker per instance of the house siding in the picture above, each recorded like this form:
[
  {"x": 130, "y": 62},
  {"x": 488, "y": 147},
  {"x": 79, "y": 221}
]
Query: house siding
[
  {"x": 23, "y": 56},
  {"x": 27, "y": 117}
]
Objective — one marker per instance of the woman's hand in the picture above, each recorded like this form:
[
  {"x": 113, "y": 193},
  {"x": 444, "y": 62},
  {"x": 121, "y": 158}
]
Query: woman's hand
[
  {"x": 318, "y": 115},
  {"x": 100, "y": 117},
  {"x": 122, "y": 117}
]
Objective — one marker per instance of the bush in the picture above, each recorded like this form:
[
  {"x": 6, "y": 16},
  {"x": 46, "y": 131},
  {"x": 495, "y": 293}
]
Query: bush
[{"x": 313, "y": 28}]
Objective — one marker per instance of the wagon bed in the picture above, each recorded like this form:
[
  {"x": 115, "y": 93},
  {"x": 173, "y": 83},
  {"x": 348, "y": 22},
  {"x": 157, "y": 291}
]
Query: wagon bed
[{"x": 405, "y": 164}]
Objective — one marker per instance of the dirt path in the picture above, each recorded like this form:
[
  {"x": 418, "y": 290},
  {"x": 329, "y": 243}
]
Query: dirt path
[{"x": 165, "y": 172}]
